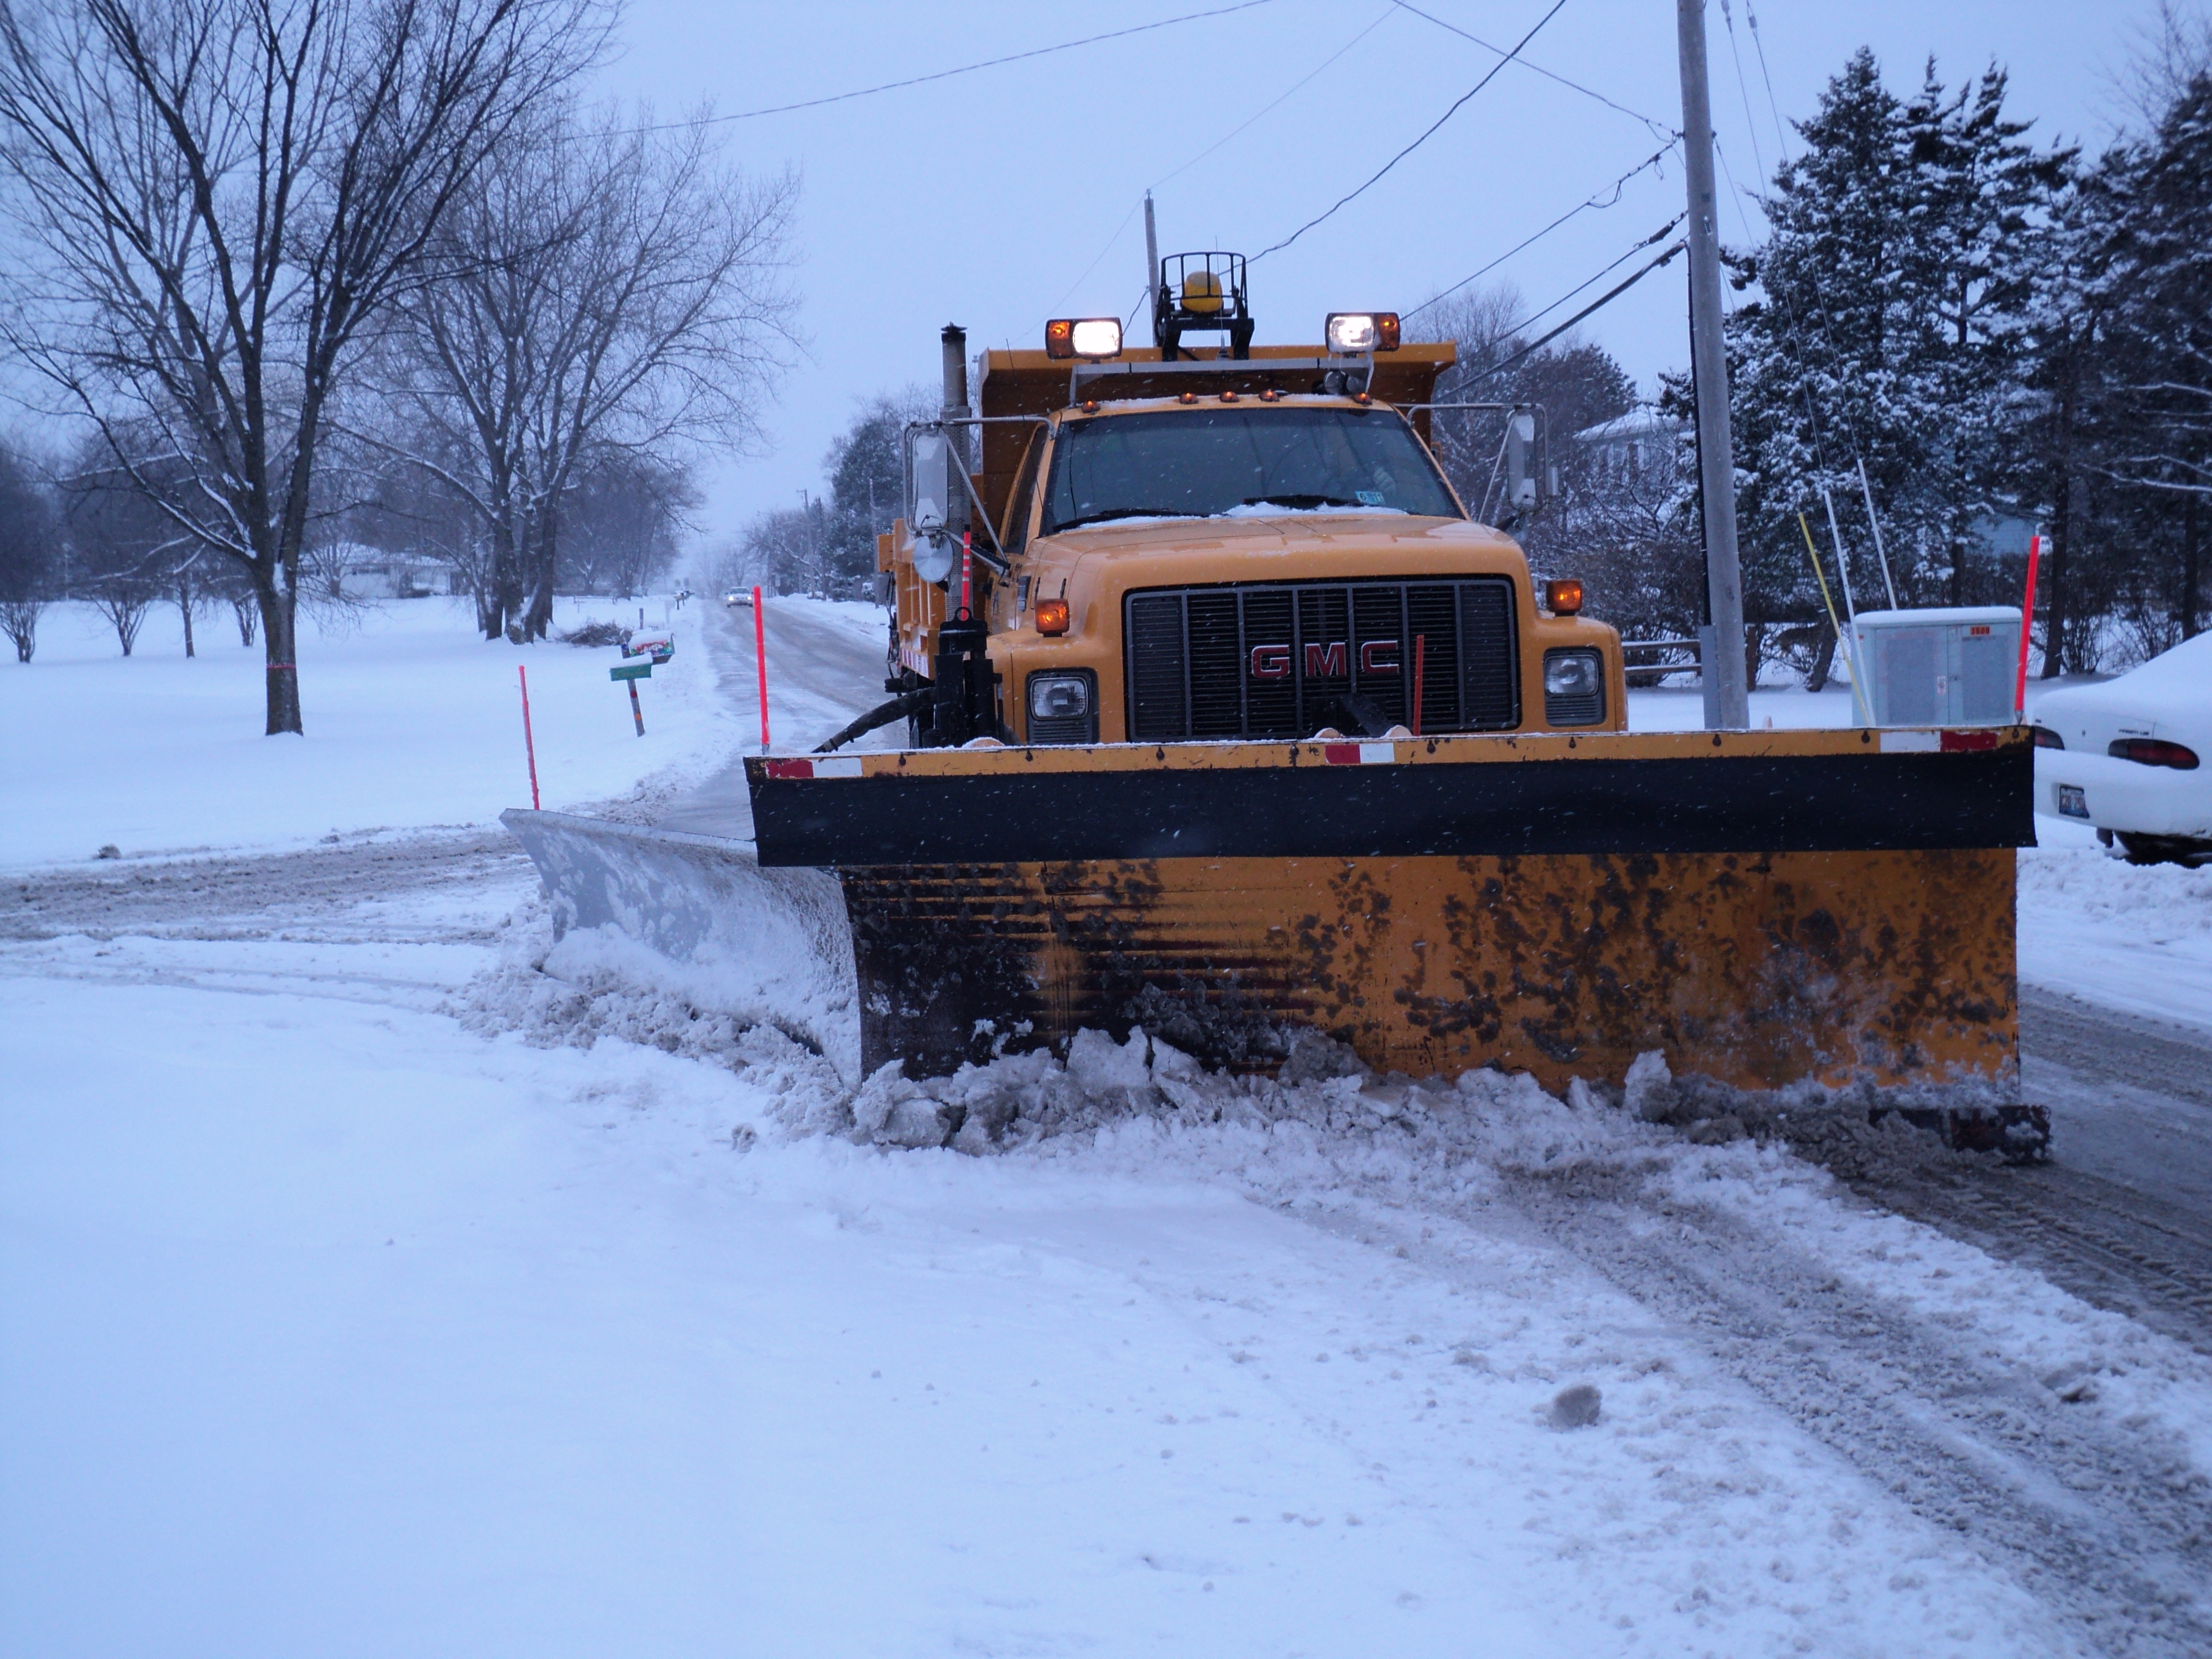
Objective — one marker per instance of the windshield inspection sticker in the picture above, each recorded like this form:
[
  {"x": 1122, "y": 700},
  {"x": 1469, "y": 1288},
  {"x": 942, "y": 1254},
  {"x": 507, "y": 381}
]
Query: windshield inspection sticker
[{"x": 1370, "y": 497}]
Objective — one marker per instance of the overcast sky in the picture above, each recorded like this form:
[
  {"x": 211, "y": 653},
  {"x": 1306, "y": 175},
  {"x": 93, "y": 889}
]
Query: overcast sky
[{"x": 1001, "y": 197}]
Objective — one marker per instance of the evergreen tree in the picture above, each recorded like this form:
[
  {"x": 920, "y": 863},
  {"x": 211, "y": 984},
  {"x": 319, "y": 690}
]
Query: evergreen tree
[
  {"x": 2154, "y": 285},
  {"x": 1884, "y": 326}
]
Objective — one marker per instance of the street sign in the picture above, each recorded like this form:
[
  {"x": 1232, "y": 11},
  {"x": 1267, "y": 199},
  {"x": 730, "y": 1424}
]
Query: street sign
[{"x": 631, "y": 670}]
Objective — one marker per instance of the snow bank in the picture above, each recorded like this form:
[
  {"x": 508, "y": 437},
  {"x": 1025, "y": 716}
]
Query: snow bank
[
  {"x": 412, "y": 720},
  {"x": 2134, "y": 936}
]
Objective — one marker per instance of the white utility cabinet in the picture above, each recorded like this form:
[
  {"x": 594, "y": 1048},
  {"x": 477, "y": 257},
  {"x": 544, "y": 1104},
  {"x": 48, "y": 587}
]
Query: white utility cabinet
[{"x": 1950, "y": 666}]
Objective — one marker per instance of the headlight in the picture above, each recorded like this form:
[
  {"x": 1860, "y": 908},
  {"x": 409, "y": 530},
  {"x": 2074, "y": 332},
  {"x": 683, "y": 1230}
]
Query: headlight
[
  {"x": 1574, "y": 688},
  {"x": 1572, "y": 674},
  {"x": 1082, "y": 337},
  {"x": 1059, "y": 696},
  {"x": 1350, "y": 333}
]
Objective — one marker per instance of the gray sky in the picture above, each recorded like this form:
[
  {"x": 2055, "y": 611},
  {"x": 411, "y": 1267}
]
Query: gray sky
[{"x": 994, "y": 199}]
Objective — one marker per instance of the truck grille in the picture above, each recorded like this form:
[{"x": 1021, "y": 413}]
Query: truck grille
[{"x": 1283, "y": 660}]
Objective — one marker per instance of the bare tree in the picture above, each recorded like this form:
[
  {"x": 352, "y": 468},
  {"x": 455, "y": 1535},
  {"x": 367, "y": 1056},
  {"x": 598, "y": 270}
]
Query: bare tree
[
  {"x": 609, "y": 287},
  {"x": 220, "y": 197},
  {"x": 30, "y": 553}
]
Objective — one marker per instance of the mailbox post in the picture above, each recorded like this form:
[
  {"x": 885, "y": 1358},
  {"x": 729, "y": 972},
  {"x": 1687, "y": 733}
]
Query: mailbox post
[{"x": 633, "y": 672}]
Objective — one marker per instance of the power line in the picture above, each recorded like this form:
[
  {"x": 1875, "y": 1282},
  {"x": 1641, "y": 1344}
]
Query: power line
[
  {"x": 1616, "y": 187},
  {"x": 1380, "y": 19},
  {"x": 1659, "y": 129},
  {"x": 1598, "y": 304},
  {"x": 1656, "y": 236},
  {"x": 968, "y": 69},
  {"x": 1419, "y": 142}
]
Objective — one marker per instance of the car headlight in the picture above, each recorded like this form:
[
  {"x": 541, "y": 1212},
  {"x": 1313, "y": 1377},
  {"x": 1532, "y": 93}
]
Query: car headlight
[{"x": 1059, "y": 696}]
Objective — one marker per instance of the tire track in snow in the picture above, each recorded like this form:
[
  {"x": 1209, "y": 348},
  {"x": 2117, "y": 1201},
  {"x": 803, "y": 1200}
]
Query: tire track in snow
[{"x": 2112, "y": 1531}]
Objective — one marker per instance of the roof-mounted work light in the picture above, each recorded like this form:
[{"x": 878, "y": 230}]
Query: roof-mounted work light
[
  {"x": 1356, "y": 332},
  {"x": 1082, "y": 337}
]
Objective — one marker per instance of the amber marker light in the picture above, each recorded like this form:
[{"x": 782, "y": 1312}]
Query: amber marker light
[
  {"x": 1563, "y": 596},
  {"x": 1059, "y": 337},
  {"x": 1052, "y": 617}
]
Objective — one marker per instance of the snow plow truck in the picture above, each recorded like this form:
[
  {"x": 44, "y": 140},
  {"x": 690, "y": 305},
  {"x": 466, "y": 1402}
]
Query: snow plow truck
[{"x": 1226, "y": 717}]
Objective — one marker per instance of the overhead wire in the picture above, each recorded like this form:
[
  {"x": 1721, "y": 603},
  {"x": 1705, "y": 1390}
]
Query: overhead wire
[
  {"x": 967, "y": 69},
  {"x": 1615, "y": 188},
  {"x": 1659, "y": 129},
  {"x": 1600, "y": 276},
  {"x": 1457, "y": 105},
  {"x": 1594, "y": 306},
  {"x": 1381, "y": 18}
]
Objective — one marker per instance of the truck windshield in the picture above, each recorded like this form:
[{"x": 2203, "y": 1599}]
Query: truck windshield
[{"x": 1204, "y": 461}]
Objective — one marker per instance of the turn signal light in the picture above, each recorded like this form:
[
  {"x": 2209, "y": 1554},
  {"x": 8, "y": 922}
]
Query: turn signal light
[
  {"x": 2047, "y": 739},
  {"x": 2153, "y": 751},
  {"x": 1052, "y": 617},
  {"x": 1563, "y": 596},
  {"x": 1082, "y": 337}
]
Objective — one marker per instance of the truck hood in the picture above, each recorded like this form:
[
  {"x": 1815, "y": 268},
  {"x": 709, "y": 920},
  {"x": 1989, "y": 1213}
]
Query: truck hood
[{"x": 1334, "y": 530}]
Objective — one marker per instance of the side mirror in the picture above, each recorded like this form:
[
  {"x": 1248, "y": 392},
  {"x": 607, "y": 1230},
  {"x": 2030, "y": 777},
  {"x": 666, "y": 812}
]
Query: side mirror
[
  {"x": 932, "y": 481},
  {"x": 1520, "y": 449},
  {"x": 933, "y": 556}
]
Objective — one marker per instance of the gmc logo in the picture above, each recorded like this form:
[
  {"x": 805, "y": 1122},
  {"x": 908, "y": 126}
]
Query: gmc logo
[{"x": 1377, "y": 658}]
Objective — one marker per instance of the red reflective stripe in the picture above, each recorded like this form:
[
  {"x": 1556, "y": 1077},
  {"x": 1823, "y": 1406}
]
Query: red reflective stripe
[
  {"x": 789, "y": 769},
  {"x": 1340, "y": 754},
  {"x": 1956, "y": 742}
]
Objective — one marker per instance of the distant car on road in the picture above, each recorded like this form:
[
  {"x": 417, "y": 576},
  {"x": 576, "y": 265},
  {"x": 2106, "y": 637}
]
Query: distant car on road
[
  {"x": 2126, "y": 755},
  {"x": 735, "y": 597}
]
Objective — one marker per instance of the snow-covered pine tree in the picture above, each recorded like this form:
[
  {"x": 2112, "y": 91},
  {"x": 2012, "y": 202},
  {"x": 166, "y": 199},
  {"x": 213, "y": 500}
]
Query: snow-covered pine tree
[
  {"x": 1981, "y": 196},
  {"x": 1883, "y": 323},
  {"x": 2154, "y": 285},
  {"x": 1823, "y": 349}
]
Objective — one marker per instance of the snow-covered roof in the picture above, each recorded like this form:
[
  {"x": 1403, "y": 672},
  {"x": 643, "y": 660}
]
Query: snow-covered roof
[{"x": 1644, "y": 421}]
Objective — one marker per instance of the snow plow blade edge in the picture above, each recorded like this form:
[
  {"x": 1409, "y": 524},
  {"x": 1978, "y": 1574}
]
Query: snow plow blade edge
[{"x": 1766, "y": 908}]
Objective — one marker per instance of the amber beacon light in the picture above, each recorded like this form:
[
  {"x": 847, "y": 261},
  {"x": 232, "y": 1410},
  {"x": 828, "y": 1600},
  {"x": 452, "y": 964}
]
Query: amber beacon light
[
  {"x": 1563, "y": 596},
  {"x": 1052, "y": 617}
]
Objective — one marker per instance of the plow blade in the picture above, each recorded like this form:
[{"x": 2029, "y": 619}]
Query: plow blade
[
  {"x": 697, "y": 917},
  {"x": 1766, "y": 908}
]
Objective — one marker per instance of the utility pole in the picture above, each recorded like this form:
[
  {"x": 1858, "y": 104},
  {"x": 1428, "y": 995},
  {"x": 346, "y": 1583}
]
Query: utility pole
[
  {"x": 1151, "y": 270},
  {"x": 1727, "y": 703}
]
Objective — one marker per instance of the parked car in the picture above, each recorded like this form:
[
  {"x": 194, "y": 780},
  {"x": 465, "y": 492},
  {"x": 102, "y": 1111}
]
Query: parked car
[{"x": 2126, "y": 755}]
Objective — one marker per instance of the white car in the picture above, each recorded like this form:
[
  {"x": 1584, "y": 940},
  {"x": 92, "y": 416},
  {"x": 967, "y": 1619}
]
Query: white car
[
  {"x": 745, "y": 599},
  {"x": 2126, "y": 754}
]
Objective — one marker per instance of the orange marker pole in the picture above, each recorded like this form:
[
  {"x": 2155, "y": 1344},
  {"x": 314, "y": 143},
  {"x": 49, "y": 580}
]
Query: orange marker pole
[
  {"x": 2026, "y": 625},
  {"x": 529, "y": 748},
  {"x": 759, "y": 660}
]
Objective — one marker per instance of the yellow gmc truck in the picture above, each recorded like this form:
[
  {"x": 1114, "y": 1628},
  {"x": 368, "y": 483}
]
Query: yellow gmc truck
[{"x": 1171, "y": 543}]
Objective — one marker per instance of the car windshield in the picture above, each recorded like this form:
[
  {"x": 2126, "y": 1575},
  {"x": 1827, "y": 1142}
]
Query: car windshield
[{"x": 1199, "y": 463}]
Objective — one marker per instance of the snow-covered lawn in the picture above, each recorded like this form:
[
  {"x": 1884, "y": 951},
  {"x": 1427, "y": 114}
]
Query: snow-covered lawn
[{"x": 411, "y": 720}]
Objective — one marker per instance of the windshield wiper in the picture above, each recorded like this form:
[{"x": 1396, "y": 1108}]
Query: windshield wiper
[
  {"x": 1298, "y": 502},
  {"x": 1125, "y": 512}
]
